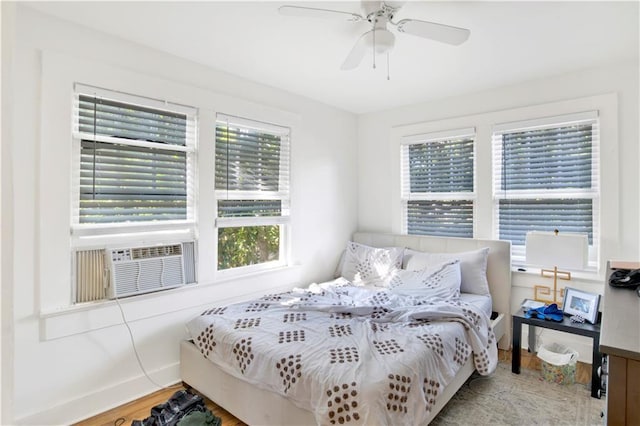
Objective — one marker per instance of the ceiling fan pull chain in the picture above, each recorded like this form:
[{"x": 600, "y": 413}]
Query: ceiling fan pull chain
[
  {"x": 374, "y": 45},
  {"x": 388, "y": 77}
]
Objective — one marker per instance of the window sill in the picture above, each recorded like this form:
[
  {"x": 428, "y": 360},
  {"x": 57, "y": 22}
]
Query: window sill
[
  {"x": 87, "y": 317},
  {"x": 591, "y": 277},
  {"x": 250, "y": 271}
]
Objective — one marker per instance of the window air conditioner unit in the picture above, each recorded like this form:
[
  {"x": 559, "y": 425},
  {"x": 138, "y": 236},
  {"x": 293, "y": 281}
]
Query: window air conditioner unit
[
  {"x": 140, "y": 270},
  {"x": 111, "y": 273}
]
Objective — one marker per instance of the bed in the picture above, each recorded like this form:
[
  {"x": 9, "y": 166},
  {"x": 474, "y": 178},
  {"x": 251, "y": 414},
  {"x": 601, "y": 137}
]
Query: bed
[{"x": 256, "y": 403}]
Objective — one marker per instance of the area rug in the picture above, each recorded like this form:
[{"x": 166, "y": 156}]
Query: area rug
[{"x": 505, "y": 398}]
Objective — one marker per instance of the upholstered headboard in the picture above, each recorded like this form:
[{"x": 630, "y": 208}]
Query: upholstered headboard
[{"x": 498, "y": 264}]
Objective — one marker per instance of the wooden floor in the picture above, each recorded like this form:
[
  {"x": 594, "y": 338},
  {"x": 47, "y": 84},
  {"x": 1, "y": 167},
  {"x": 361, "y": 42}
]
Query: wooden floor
[{"x": 140, "y": 408}]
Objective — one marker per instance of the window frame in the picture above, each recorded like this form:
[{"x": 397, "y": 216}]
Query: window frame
[
  {"x": 53, "y": 182},
  {"x": 593, "y": 192},
  {"x": 283, "y": 194},
  {"x": 406, "y": 195},
  {"x": 607, "y": 104},
  {"x": 114, "y": 232}
]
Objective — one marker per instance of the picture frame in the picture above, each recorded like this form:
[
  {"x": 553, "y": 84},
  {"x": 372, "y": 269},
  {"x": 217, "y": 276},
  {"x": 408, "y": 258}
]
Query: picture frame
[{"x": 582, "y": 303}]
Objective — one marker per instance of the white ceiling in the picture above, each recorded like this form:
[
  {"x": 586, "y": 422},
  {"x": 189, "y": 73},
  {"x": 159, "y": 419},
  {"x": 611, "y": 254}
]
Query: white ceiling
[{"x": 510, "y": 42}]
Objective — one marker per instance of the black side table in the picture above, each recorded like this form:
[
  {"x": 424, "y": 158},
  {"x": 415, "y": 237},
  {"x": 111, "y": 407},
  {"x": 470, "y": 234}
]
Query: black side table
[{"x": 586, "y": 329}]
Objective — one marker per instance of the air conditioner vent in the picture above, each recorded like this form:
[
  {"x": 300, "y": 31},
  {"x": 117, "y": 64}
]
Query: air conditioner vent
[{"x": 161, "y": 251}]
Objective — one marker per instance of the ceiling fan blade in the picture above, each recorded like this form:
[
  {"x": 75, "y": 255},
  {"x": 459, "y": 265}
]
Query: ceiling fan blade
[
  {"x": 434, "y": 31},
  {"x": 354, "y": 57},
  {"x": 318, "y": 13}
]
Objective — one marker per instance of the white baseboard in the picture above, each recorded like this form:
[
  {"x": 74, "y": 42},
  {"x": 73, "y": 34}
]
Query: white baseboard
[{"x": 104, "y": 399}]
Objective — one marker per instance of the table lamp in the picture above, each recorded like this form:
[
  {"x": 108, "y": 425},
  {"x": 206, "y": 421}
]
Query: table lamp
[{"x": 567, "y": 250}]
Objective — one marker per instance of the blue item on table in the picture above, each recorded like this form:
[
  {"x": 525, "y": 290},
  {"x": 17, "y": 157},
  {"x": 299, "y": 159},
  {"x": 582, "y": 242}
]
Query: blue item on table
[{"x": 551, "y": 313}]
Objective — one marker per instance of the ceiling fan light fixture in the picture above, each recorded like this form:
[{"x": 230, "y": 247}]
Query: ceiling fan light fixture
[{"x": 381, "y": 42}]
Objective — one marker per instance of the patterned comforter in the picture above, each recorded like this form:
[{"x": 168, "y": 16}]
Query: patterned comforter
[{"x": 349, "y": 354}]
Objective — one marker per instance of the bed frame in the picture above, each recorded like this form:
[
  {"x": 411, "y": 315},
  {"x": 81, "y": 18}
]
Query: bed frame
[{"x": 256, "y": 406}]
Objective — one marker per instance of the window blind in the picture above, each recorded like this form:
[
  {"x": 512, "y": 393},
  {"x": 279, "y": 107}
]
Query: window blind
[
  {"x": 440, "y": 218},
  {"x": 437, "y": 175},
  {"x": 106, "y": 117},
  {"x": 546, "y": 177},
  {"x": 517, "y": 217},
  {"x": 252, "y": 170},
  {"x": 135, "y": 159},
  {"x": 441, "y": 166}
]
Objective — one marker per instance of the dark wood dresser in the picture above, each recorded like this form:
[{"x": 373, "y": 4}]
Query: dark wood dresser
[{"x": 620, "y": 342}]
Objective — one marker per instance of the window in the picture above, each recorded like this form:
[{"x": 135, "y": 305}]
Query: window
[
  {"x": 437, "y": 175},
  {"x": 252, "y": 192},
  {"x": 546, "y": 177},
  {"x": 133, "y": 161}
]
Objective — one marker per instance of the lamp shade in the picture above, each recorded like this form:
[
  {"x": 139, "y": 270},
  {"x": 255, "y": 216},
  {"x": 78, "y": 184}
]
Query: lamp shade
[{"x": 567, "y": 250}]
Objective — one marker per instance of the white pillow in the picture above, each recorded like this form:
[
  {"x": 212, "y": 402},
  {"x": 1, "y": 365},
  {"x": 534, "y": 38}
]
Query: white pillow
[
  {"x": 436, "y": 281},
  {"x": 473, "y": 266},
  {"x": 366, "y": 265}
]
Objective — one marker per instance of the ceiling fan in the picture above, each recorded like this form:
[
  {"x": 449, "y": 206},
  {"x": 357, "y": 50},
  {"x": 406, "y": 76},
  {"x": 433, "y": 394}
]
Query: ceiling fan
[{"x": 379, "y": 39}]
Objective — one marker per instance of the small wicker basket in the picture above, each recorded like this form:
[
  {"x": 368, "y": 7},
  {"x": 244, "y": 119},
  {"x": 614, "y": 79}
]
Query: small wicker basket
[{"x": 558, "y": 363}]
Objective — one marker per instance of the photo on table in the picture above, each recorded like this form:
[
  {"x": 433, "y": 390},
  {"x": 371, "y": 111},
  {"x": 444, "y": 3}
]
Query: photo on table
[{"x": 581, "y": 303}]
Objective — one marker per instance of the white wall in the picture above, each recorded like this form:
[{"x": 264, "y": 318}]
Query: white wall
[
  {"x": 7, "y": 25},
  {"x": 378, "y": 202},
  {"x": 72, "y": 363},
  {"x": 63, "y": 372}
]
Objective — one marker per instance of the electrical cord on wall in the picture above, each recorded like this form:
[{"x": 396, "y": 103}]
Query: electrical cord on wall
[
  {"x": 120, "y": 421},
  {"x": 135, "y": 350}
]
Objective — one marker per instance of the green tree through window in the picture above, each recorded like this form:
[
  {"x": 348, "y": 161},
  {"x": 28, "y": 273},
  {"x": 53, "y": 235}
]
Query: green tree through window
[{"x": 247, "y": 245}]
